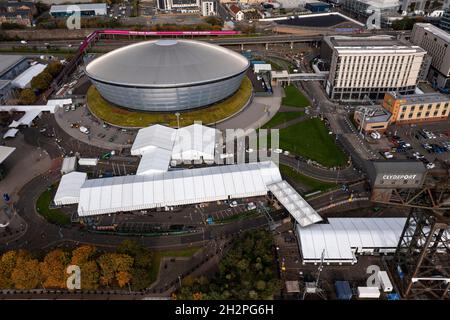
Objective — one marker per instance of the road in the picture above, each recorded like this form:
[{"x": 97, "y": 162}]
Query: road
[{"x": 119, "y": 42}]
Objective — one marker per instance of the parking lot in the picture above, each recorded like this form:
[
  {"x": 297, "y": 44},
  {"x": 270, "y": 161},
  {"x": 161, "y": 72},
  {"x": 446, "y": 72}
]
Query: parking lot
[{"x": 413, "y": 143}]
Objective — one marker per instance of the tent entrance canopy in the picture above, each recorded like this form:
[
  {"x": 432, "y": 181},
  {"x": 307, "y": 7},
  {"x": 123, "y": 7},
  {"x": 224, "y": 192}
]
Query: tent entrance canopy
[{"x": 302, "y": 212}]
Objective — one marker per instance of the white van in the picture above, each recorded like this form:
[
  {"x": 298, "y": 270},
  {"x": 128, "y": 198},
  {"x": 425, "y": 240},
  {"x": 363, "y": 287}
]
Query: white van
[{"x": 84, "y": 130}]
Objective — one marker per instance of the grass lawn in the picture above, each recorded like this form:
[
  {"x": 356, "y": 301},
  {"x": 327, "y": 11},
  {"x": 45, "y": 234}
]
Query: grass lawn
[
  {"x": 158, "y": 255},
  {"x": 310, "y": 139},
  {"x": 52, "y": 215},
  {"x": 126, "y": 118},
  {"x": 294, "y": 98},
  {"x": 282, "y": 117},
  {"x": 313, "y": 184}
]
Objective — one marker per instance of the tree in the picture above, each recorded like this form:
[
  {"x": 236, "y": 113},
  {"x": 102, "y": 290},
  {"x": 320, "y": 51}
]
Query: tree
[
  {"x": 27, "y": 96},
  {"x": 115, "y": 266},
  {"x": 82, "y": 254},
  {"x": 26, "y": 273},
  {"x": 53, "y": 269},
  {"x": 90, "y": 275},
  {"x": 214, "y": 21},
  {"x": 7, "y": 265},
  {"x": 42, "y": 81},
  {"x": 54, "y": 68}
]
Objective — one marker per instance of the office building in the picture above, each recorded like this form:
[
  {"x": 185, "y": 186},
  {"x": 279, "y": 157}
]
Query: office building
[
  {"x": 417, "y": 108},
  {"x": 178, "y": 5},
  {"x": 209, "y": 8},
  {"x": 367, "y": 67},
  {"x": 444, "y": 23},
  {"x": 372, "y": 118},
  {"x": 437, "y": 43}
]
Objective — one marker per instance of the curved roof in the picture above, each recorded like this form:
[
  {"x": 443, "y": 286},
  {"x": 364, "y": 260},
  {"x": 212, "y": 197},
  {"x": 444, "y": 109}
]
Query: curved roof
[{"x": 167, "y": 63}]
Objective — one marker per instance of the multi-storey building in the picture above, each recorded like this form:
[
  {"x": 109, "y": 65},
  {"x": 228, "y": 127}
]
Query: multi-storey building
[
  {"x": 437, "y": 43},
  {"x": 179, "y": 5},
  {"x": 444, "y": 23},
  {"x": 209, "y": 7},
  {"x": 416, "y": 108},
  {"x": 17, "y": 12},
  {"x": 368, "y": 67}
]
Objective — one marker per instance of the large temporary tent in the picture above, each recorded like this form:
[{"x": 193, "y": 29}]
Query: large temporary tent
[
  {"x": 69, "y": 188},
  {"x": 341, "y": 238},
  {"x": 195, "y": 142},
  {"x": 181, "y": 187}
]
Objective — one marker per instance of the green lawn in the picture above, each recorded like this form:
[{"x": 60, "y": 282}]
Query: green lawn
[
  {"x": 294, "y": 98},
  {"x": 310, "y": 139},
  {"x": 158, "y": 255},
  {"x": 313, "y": 184},
  {"x": 52, "y": 215},
  {"x": 125, "y": 118},
  {"x": 282, "y": 117}
]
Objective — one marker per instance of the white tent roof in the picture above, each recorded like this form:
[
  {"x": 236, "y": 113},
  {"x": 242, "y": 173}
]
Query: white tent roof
[
  {"x": 11, "y": 133},
  {"x": 14, "y": 124},
  {"x": 156, "y": 136},
  {"x": 140, "y": 192},
  {"x": 154, "y": 161},
  {"x": 5, "y": 152},
  {"x": 69, "y": 164},
  {"x": 193, "y": 142},
  {"x": 340, "y": 235},
  {"x": 59, "y": 102},
  {"x": 24, "y": 79},
  {"x": 69, "y": 188},
  {"x": 49, "y": 107},
  {"x": 302, "y": 212},
  {"x": 28, "y": 117}
]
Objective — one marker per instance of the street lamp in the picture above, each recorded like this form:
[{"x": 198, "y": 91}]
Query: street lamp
[{"x": 177, "y": 114}]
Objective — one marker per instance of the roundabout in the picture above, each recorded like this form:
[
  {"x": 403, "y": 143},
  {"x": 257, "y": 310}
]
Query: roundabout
[{"x": 126, "y": 118}]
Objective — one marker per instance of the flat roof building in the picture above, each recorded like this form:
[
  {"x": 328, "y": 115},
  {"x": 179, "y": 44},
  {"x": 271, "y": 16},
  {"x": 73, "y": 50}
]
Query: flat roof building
[
  {"x": 368, "y": 67},
  {"x": 437, "y": 44},
  {"x": 394, "y": 174},
  {"x": 373, "y": 118},
  {"x": 11, "y": 66},
  {"x": 417, "y": 108},
  {"x": 86, "y": 9}
]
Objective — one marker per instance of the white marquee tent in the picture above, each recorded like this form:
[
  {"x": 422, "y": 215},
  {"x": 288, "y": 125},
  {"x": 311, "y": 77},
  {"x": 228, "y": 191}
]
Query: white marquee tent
[
  {"x": 23, "y": 80},
  {"x": 195, "y": 142},
  {"x": 69, "y": 188},
  {"x": 154, "y": 161},
  {"x": 342, "y": 238},
  {"x": 5, "y": 152},
  {"x": 153, "y": 137},
  {"x": 181, "y": 187}
]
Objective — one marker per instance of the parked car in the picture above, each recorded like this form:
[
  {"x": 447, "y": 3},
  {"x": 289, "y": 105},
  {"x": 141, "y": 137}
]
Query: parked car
[
  {"x": 388, "y": 155},
  {"x": 251, "y": 206},
  {"x": 233, "y": 204}
]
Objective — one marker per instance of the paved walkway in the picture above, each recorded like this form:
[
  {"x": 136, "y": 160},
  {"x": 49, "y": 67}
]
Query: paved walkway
[{"x": 259, "y": 111}]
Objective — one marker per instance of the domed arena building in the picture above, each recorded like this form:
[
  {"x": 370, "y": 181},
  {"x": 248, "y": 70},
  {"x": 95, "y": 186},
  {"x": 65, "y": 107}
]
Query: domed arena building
[{"x": 167, "y": 75}]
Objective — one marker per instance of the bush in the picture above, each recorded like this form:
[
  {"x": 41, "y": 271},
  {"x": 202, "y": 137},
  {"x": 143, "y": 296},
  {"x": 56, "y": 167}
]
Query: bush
[
  {"x": 27, "y": 96},
  {"x": 42, "y": 81}
]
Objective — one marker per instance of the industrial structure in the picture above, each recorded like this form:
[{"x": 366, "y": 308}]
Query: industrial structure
[
  {"x": 167, "y": 75},
  {"x": 421, "y": 264}
]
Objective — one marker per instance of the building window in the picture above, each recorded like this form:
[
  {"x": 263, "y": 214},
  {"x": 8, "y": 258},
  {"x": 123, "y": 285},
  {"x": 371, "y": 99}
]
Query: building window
[
  {"x": 427, "y": 113},
  {"x": 402, "y": 116},
  {"x": 429, "y": 106},
  {"x": 421, "y": 107},
  {"x": 410, "y": 115},
  {"x": 404, "y": 109},
  {"x": 435, "y": 113},
  {"x": 419, "y": 114}
]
